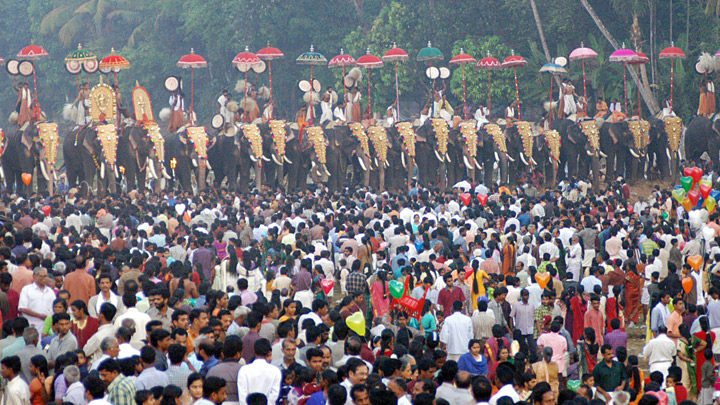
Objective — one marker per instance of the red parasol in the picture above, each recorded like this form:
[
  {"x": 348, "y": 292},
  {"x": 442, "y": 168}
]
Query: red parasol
[
  {"x": 343, "y": 60},
  {"x": 463, "y": 59},
  {"x": 369, "y": 61},
  {"x": 489, "y": 63},
  {"x": 115, "y": 63},
  {"x": 192, "y": 61},
  {"x": 244, "y": 61},
  {"x": 269, "y": 54},
  {"x": 396, "y": 55},
  {"x": 515, "y": 61},
  {"x": 33, "y": 52},
  {"x": 672, "y": 52}
]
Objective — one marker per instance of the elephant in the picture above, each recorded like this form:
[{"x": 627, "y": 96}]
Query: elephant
[
  {"x": 673, "y": 132},
  {"x": 467, "y": 147},
  {"x": 21, "y": 155},
  {"x": 87, "y": 155},
  {"x": 381, "y": 146},
  {"x": 133, "y": 155},
  {"x": 572, "y": 148},
  {"x": 432, "y": 152},
  {"x": 615, "y": 142},
  {"x": 178, "y": 159},
  {"x": 301, "y": 155},
  {"x": 500, "y": 152},
  {"x": 276, "y": 135},
  {"x": 404, "y": 141},
  {"x": 353, "y": 149},
  {"x": 703, "y": 136},
  {"x": 639, "y": 161},
  {"x": 487, "y": 153},
  {"x": 520, "y": 142},
  {"x": 657, "y": 149}
]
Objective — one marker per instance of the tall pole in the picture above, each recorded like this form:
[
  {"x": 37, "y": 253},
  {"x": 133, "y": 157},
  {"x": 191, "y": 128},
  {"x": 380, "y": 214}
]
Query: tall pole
[
  {"x": 489, "y": 94},
  {"x": 464, "y": 95},
  {"x": 192, "y": 96},
  {"x": 517, "y": 93}
]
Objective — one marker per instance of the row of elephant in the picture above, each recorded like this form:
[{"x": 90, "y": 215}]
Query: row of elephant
[{"x": 278, "y": 155}]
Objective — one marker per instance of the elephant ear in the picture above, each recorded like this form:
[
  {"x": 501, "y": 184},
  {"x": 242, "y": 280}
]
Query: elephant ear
[
  {"x": 88, "y": 144},
  {"x": 27, "y": 137},
  {"x": 131, "y": 137}
]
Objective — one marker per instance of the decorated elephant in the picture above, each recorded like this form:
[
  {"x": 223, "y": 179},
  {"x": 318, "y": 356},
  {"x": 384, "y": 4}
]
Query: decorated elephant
[
  {"x": 133, "y": 156},
  {"x": 521, "y": 149},
  {"x": 179, "y": 154},
  {"x": 590, "y": 130},
  {"x": 381, "y": 146},
  {"x": 403, "y": 136},
  {"x": 616, "y": 141},
  {"x": 673, "y": 132},
  {"x": 312, "y": 158},
  {"x": 638, "y": 150},
  {"x": 24, "y": 151},
  {"x": 89, "y": 151},
  {"x": 658, "y": 154},
  {"x": 572, "y": 148},
  {"x": 553, "y": 146},
  {"x": 276, "y": 135},
  {"x": 467, "y": 145},
  {"x": 432, "y": 152},
  {"x": 500, "y": 152},
  {"x": 702, "y": 136}
]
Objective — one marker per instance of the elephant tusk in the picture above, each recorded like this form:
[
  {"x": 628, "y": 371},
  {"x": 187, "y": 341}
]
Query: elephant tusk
[
  {"x": 602, "y": 154},
  {"x": 497, "y": 158},
  {"x": 635, "y": 155},
  {"x": 275, "y": 159},
  {"x": 207, "y": 164},
  {"x": 2, "y": 172},
  {"x": 151, "y": 168},
  {"x": 533, "y": 161},
  {"x": 522, "y": 157},
  {"x": 510, "y": 158},
  {"x": 467, "y": 163},
  {"x": 376, "y": 163},
  {"x": 477, "y": 164},
  {"x": 387, "y": 164},
  {"x": 447, "y": 156},
  {"x": 44, "y": 170},
  {"x": 312, "y": 165},
  {"x": 326, "y": 171},
  {"x": 288, "y": 161},
  {"x": 589, "y": 153},
  {"x": 165, "y": 174},
  {"x": 194, "y": 162},
  {"x": 667, "y": 152},
  {"x": 402, "y": 159},
  {"x": 102, "y": 170},
  {"x": 437, "y": 155},
  {"x": 253, "y": 158},
  {"x": 117, "y": 175},
  {"x": 362, "y": 164},
  {"x": 265, "y": 158}
]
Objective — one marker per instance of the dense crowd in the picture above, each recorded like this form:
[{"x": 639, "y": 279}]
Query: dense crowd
[{"x": 359, "y": 298}]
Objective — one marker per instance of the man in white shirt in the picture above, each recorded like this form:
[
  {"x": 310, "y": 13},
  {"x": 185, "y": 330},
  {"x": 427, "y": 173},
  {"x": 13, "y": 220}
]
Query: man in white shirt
[
  {"x": 660, "y": 352},
  {"x": 140, "y": 319},
  {"x": 105, "y": 295},
  {"x": 92, "y": 348},
  {"x": 326, "y": 113},
  {"x": 260, "y": 376},
  {"x": 17, "y": 391},
  {"x": 504, "y": 376},
  {"x": 36, "y": 299},
  {"x": 457, "y": 332}
]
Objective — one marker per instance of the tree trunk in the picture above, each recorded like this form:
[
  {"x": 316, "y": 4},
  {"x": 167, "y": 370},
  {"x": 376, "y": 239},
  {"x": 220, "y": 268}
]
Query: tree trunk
[
  {"x": 541, "y": 33},
  {"x": 651, "y": 102}
]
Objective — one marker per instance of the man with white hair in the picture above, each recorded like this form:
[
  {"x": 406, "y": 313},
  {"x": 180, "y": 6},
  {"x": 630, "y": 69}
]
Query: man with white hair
[
  {"x": 75, "y": 393},
  {"x": 36, "y": 299}
]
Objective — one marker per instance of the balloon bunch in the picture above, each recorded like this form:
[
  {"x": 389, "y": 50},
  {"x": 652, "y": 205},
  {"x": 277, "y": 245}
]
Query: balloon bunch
[{"x": 695, "y": 192}]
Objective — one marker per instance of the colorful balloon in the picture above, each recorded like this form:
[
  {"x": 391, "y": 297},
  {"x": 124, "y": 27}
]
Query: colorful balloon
[
  {"x": 696, "y": 173},
  {"x": 26, "y": 178},
  {"x": 482, "y": 199},
  {"x": 665, "y": 215},
  {"x": 705, "y": 190},
  {"x": 542, "y": 279},
  {"x": 694, "y": 197},
  {"x": 397, "y": 289},
  {"x": 687, "y": 284},
  {"x": 687, "y": 204},
  {"x": 46, "y": 210},
  {"x": 356, "y": 323},
  {"x": 465, "y": 198},
  {"x": 710, "y": 204},
  {"x": 327, "y": 285},
  {"x": 687, "y": 183},
  {"x": 695, "y": 261},
  {"x": 679, "y": 194}
]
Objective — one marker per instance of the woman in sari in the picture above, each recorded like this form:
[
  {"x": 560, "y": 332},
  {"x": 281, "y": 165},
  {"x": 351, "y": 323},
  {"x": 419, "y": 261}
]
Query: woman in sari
[
  {"x": 633, "y": 289},
  {"x": 578, "y": 305},
  {"x": 508, "y": 256},
  {"x": 588, "y": 350},
  {"x": 380, "y": 295},
  {"x": 613, "y": 309},
  {"x": 686, "y": 359},
  {"x": 701, "y": 341},
  {"x": 477, "y": 286}
]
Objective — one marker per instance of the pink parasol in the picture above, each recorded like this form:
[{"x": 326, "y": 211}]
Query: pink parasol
[
  {"x": 515, "y": 61},
  {"x": 269, "y": 54},
  {"x": 343, "y": 60},
  {"x": 489, "y": 63},
  {"x": 33, "y": 52},
  {"x": 192, "y": 61},
  {"x": 115, "y": 63},
  {"x": 463, "y": 59},
  {"x": 640, "y": 59},
  {"x": 672, "y": 52},
  {"x": 369, "y": 61},
  {"x": 623, "y": 56},
  {"x": 396, "y": 55},
  {"x": 581, "y": 54}
]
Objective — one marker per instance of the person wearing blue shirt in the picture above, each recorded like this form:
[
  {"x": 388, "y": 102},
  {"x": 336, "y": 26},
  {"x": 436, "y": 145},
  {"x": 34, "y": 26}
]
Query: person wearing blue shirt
[{"x": 473, "y": 361}]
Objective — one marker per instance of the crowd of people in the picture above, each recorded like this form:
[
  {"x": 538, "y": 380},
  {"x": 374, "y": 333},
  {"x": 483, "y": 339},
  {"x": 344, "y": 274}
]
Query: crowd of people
[{"x": 359, "y": 298}]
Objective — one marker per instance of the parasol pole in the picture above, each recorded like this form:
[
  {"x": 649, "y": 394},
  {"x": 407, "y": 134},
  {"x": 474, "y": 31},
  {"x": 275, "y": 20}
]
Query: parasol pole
[
  {"x": 192, "y": 96},
  {"x": 672, "y": 79},
  {"x": 584, "y": 87},
  {"x": 344, "y": 87},
  {"x": 432, "y": 97},
  {"x": 517, "y": 93},
  {"x": 245, "y": 116},
  {"x": 272, "y": 110},
  {"x": 637, "y": 68},
  {"x": 397, "y": 93},
  {"x": 369, "y": 95},
  {"x": 625, "y": 86},
  {"x": 36, "y": 107},
  {"x": 312, "y": 90},
  {"x": 464, "y": 95},
  {"x": 550, "y": 110},
  {"x": 117, "y": 99},
  {"x": 489, "y": 94}
]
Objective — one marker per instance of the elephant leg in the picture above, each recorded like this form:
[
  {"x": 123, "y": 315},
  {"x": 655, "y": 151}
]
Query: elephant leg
[
  {"x": 503, "y": 168},
  {"x": 595, "y": 163}
]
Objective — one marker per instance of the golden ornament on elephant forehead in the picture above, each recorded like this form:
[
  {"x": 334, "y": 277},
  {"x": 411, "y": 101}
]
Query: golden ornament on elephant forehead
[
  {"x": 525, "y": 130},
  {"x": 406, "y": 130},
  {"x": 640, "y": 130},
  {"x": 107, "y": 134},
  {"x": 673, "y": 128},
  {"x": 498, "y": 136},
  {"x": 590, "y": 129},
  {"x": 102, "y": 103},
  {"x": 317, "y": 137},
  {"x": 279, "y": 134},
  {"x": 379, "y": 138},
  {"x": 553, "y": 140},
  {"x": 198, "y": 136},
  {"x": 469, "y": 133},
  {"x": 358, "y": 131},
  {"x": 153, "y": 131},
  {"x": 252, "y": 133},
  {"x": 48, "y": 133},
  {"x": 441, "y": 134}
]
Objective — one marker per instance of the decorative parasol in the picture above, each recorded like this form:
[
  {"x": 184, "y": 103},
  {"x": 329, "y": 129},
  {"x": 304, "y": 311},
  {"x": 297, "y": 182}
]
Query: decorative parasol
[
  {"x": 269, "y": 54},
  {"x": 489, "y": 63},
  {"x": 75, "y": 59},
  {"x": 32, "y": 52},
  {"x": 313, "y": 59},
  {"x": 640, "y": 59},
  {"x": 515, "y": 61},
  {"x": 245, "y": 61},
  {"x": 623, "y": 56},
  {"x": 115, "y": 63},
  {"x": 553, "y": 69},
  {"x": 463, "y": 59},
  {"x": 672, "y": 52},
  {"x": 369, "y": 61},
  {"x": 583, "y": 53},
  {"x": 396, "y": 55},
  {"x": 343, "y": 60},
  {"x": 192, "y": 61},
  {"x": 429, "y": 54}
]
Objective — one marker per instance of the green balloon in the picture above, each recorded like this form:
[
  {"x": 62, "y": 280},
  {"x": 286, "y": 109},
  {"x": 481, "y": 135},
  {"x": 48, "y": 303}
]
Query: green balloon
[
  {"x": 396, "y": 289},
  {"x": 687, "y": 183},
  {"x": 665, "y": 215}
]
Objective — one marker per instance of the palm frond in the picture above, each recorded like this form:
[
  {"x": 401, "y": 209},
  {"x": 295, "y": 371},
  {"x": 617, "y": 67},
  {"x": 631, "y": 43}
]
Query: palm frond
[
  {"x": 54, "y": 19},
  {"x": 137, "y": 32},
  {"x": 87, "y": 7},
  {"x": 71, "y": 29}
]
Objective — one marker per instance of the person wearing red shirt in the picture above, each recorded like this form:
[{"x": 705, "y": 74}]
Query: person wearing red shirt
[
  {"x": 449, "y": 294},
  {"x": 13, "y": 297}
]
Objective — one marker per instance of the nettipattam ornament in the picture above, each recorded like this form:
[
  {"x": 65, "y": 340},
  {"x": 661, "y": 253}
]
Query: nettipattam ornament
[
  {"x": 48, "y": 134},
  {"x": 469, "y": 134},
  {"x": 498, "y": 136},
  {"x": 441, "y": 134},
  {"x": 554, "y": 142},
  {"x": 525, "y": 130},
  {"x": 107, "y": 134},
  {"x": 379, "y": 138},
  {"x": 359, "y": 132},
  {"x": 158, "y": 142},
  {"x": 317, "y": 137},
  {"x": 673, "y": 128},
  {"x": 279, "y": 135},
  {"x": 406, "y": 130},
  {"x": 590, "y": 129},
  {"x": 252, "y": 133},
  {"x": 198, "y": 136},
  {"x": 640, "y": 130}
]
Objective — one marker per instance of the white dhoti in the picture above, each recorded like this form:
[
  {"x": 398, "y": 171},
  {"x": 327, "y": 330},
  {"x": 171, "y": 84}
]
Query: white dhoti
[
  {"x": 661, "y": 366},
  {"x": 574, "y": 269},
  {"x": 588, "y": 256},
  {"x": 645, "y": 297},
  {"x": 305, "y": 297}
]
